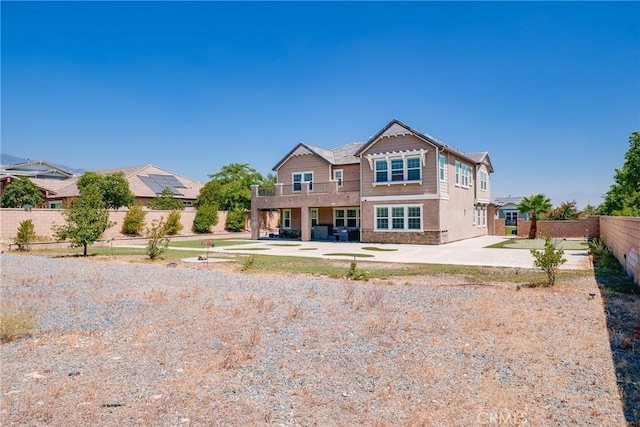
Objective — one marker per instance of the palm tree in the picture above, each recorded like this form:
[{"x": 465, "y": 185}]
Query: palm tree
[{"x": 535, "y": 205}]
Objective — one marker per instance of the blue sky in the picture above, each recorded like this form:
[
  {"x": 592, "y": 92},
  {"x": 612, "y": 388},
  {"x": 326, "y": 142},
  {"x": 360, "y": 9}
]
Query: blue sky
[{"x": 551, "y": 90}]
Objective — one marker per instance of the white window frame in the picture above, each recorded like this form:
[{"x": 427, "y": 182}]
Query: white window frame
[
  {"x": 346, "y": 217},
  {"x": 463, "y": 175},
  {"x": 56, "y": 205},
  {"x": 442, "y": 167},
  {"x": 405, "y": 170},
  {"x": 483, "y": 180},
  {"x": 405, "y": 218},
  {"x": 286, "y": 219},
  {"x": 338, "y": 175},
  {"x": 314, "y": 217},
  {"x": 388, "y": 158},
  {"x": 302, "y": 180}
]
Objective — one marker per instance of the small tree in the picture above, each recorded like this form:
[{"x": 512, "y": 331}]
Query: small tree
[
  {"x": 566, "y": 211},
  {"x": 114, "y": 188},
  {"x": 158, "y": 242},
  {"x": 134, "y": 220},
  {"x": 26, "y": 235},
  {"x": 86, "y": 219},
  {"x": 549, "y": 259},
  {"x": 166, "y": 202},
  {"x": 534, "y": 205},
  {"x": 623, "y": 197},
  {"x": 173, "y": 225},
  {"x": 21, "y": 192},
  {"x": 236, "y": 220},
  {"x": 206, "y": 216}
]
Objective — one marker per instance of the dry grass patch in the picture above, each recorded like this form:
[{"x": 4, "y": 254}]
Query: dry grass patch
[
  {"x": 16, "y": 323},
  {"x": 187, "y": 346}
]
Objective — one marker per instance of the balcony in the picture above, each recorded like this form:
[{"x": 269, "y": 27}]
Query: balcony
[{"x": 310, "y": 194}]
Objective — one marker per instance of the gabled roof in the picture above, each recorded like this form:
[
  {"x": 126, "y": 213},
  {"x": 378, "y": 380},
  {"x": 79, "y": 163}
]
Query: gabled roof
[
  {"x": 36, "y": 169},
  {"x": 140, "y": 178},
  {"x": 396, "y": 122},
  {"x": 401, "y": 128},
  {"x": 343, "y": 155},
  {"x": 482, "y": 157},
  {"x": 502, "y": 201}
]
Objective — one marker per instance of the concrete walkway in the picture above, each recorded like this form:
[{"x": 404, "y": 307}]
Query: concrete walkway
[{"x": 464, "y": 252}]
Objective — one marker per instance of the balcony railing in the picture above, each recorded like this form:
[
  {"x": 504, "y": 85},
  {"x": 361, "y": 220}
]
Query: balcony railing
[{"x": 314, "y": 187}]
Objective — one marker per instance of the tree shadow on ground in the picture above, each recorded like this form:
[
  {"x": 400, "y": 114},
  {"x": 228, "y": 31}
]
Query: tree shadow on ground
[{"x": 621, "y": 297}]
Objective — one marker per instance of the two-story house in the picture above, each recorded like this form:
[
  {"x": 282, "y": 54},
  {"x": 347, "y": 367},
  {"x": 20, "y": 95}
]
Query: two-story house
[{"x": 401, "y": 186}]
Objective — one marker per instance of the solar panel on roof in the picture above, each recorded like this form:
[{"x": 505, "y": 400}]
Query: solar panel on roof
[
  {"x": 170, "y": 180},
  {"x": 157, "y": 183}
]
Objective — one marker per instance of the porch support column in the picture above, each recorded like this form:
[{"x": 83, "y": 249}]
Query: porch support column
[
  {"x": 305, "y": 224},
  {"x": 255, "y": 214}
]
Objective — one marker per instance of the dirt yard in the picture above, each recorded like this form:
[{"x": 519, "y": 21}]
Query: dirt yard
[{"x": 136, "y": 344}]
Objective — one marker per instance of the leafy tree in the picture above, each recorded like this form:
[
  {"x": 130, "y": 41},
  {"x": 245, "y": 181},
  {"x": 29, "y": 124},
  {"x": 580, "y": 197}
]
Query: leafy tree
[
  {"x": 134, "y": 220},
  {"x": 166, "y": 202},
  {"x": 158, "y": 241},
  {"x": 623, "y": 197},
  {"x": 206, "y": 216},
  {"x": 114, "y": 188},
  {"x": 549, "y": 259},
  {"x": 590, "y": 210},
  {"x": 566, "y": 211},
  {"x": 535, "y": 205},
  {"x": 231, "y": 187},
  {"x": 26, "y": 235},
  {"x": 173, "y": 225},
  {"x": 236, "y": 220},
  {"x": 86, "y": 219},
  {"x": 21, "y": 192}
]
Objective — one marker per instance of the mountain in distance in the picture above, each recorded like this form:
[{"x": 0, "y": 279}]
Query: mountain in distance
[{"x": 8, "y": 159}]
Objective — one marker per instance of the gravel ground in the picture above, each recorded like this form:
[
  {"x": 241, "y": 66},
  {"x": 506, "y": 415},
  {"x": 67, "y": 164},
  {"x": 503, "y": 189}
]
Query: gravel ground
[{"x": 149, "y": 344}]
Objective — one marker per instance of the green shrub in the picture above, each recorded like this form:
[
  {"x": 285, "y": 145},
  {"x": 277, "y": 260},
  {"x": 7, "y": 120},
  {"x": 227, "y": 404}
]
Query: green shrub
[
  {"x": 236, "y": 220},
  {"x": 206, "y": 216},
  {"x": 17, "y": 323},
  {"x": 133, "y": 222},
  {"x": 173, "y": 225},
  {"x": 248, "y": 263},
  {"x": 549, "y": 259},
  {"x": 26, "y": 235},
  {"x": 158, "y": 242},
  {"x": 355, "y": 273}
]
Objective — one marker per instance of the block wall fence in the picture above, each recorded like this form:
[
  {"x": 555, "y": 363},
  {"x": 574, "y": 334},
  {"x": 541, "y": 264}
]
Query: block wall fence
[
  {"x": 44, "y": 219},
  {"x": 622, "y": 237},
  {"x": 580, "y": 228}
]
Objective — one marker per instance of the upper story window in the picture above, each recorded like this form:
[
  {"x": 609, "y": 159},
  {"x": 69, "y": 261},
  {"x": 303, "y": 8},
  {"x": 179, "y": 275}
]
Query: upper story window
[
  {"x": 338, "y": 176},
  {"x": 299, "y": 177},
  {"x": 483, "y": 180},
  {"x": 442, "y": 161},
  {"x": 398, "y": 169},
  {"x": 463, "y": 175}
]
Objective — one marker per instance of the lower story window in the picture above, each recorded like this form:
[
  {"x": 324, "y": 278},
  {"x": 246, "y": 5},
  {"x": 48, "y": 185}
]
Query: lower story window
[
  {"x": 399, "y": 218},
  {"x": 286, "y": 218},
  {"x": 346, "y": 217}
]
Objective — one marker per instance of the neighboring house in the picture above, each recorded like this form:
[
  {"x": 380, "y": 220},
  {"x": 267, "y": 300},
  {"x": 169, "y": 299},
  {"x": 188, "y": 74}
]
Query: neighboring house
[
  {"x": 145, "y": 182},
  {"x": 401, "y": 186},
  {"x": 49, "y": 178},
  {"x": 36, "y": 169},
  {"x": 507, "y": 209}
]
